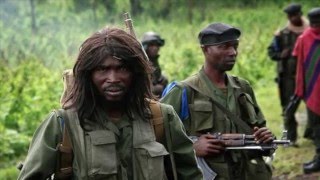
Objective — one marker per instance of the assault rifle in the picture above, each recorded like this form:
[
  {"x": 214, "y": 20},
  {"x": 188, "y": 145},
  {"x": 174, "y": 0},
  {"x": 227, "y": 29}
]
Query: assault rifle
[
  {"x": 243, "y": 141},
  {"x": 292, "y": 106},
  {"x": 238, "y": 141}
]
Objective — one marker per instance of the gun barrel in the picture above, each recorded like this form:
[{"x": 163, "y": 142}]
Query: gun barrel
[
  {"x": 284, "y": 141},
  {"x": 234, "y": 136}
]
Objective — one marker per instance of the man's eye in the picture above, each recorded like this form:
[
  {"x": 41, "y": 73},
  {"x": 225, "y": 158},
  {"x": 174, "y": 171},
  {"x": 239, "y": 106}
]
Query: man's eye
[
  {"x": 101, "y": 69},
  {"x": 223, "y": 46},
  {"x": 123, "y": 68}
]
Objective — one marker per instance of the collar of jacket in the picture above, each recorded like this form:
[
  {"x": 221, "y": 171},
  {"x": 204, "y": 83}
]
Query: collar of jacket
[
  {"x": 298, "y": 29},
  {"x": 202, "y": 83}
]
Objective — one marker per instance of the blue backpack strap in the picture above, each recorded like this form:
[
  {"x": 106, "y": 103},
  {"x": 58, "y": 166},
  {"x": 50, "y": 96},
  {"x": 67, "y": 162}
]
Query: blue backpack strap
[
  {"x": 275, "y": 44},
  {"x": 168, "y": 88},
  {"x": 184, "y": 112}
]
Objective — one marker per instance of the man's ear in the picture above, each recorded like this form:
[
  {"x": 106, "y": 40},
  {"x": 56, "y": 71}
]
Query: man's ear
[{"x": 204, "y": 48}]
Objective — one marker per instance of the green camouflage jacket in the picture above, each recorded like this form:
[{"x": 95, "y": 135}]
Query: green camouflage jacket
[
  {"x": 123, "y": 151},
  {"x": 205, "y": 117}
]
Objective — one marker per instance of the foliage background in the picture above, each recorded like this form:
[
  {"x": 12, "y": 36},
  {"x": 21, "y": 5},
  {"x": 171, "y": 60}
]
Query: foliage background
[{"x": 34, "y": 53}]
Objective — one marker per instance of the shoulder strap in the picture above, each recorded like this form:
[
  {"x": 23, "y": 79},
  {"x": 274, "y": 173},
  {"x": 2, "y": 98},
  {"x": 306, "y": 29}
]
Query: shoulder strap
[
  {"x": 186, "y": 98},
  {"x": 68, "y": 80},
  {"x": 157, "y": 120},
  {"x": 65, "y": 158},
  {"x": 241, "y": 84}
]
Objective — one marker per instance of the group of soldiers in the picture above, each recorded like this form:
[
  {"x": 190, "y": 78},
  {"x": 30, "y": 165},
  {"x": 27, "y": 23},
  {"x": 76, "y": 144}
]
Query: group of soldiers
[
  {"x": 116, "y": 128},
  {"x": 294, "y": 48}
]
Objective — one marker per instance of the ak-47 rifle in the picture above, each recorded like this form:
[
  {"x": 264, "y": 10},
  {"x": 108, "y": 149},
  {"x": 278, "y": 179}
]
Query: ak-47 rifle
[
  {"x": 243, "y": 141},
  {"x": 130, "y": 29},
  {"x": 292, "y": 106},
  {"x": 238, "y": 141}
]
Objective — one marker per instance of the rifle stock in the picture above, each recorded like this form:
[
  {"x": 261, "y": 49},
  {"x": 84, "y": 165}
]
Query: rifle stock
[
  {"x": 292, "y": 106},
  {"x": 129, "y": 24}
]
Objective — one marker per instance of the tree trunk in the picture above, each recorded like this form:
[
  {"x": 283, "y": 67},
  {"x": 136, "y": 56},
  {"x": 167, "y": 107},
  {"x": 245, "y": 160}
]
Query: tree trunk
[
  {"x": 136, "y": 7},
  {"x": 109, "y": 5},
  {"x": 94, "y": 12},
  {"x": 33, "y": 17},
  {"x": 190, "y": 8}
]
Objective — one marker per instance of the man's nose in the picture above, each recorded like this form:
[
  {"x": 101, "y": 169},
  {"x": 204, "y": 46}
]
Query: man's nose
[
  {"x": 112, "y": 77},
  {"x": 232, "y": 51}
]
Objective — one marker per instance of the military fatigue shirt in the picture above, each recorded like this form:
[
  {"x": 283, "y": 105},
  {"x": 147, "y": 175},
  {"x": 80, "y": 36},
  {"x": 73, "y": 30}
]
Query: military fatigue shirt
[
  {"x": 205, "y": 117},
  {"x": 125, "y": 150},
  {"x": 285, "y": 39}
]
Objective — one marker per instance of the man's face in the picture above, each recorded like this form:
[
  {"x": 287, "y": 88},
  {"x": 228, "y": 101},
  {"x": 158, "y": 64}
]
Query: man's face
[
  {"x": 222, "y": 57},
  {"x": 153, "y": 50},
  {"x": 295, "y": 19},
  {"x": 315, "y": 25},
  {"x": 112, "y": 79}
]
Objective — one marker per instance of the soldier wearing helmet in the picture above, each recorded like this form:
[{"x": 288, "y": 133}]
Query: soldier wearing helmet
[{"x": 152, "y": 42}]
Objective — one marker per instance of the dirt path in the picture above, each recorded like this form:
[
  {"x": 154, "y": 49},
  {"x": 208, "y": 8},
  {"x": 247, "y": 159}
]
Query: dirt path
[
  {"x": 302, "y": 121},
  {"x": 314, "y": 176}
]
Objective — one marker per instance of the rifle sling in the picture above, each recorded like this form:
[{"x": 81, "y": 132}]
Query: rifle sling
[
  {"x": 237, "y": 120},
  {"x": 157, "y": 120},
  {"x": 65, "y": 158}
]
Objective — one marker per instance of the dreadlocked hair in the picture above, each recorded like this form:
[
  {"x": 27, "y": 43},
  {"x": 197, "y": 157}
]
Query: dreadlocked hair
[{"x": 117, "y": 43}]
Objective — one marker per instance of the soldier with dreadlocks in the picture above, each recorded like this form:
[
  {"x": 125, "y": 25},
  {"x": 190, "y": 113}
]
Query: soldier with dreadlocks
[{"x": 109, "y": 117}]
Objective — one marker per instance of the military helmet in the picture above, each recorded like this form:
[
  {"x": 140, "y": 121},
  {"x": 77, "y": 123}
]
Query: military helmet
[{"x": 152, "y": 37}]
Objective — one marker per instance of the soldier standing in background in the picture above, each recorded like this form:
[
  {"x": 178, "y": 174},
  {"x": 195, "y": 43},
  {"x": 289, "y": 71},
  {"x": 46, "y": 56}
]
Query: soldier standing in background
[
  {"x": 307, "y": 52},
  {"x": 152, "y": 42},
  {"x": 280, "y": 50}
]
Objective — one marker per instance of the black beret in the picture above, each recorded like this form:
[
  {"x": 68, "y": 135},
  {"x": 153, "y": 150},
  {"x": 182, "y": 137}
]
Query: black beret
[
  {"x": 292, "y": 9},
  {"x": 314, "y": 15},
  {"x": 218, "y": 33}
]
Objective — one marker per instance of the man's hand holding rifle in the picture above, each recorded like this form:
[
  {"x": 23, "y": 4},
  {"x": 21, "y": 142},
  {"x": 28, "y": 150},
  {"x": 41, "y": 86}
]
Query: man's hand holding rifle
[{"x": 261, "y": 139}]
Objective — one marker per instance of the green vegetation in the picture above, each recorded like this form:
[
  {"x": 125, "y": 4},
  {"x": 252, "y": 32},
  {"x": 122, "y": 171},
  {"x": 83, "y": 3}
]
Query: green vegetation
[{"x": 32, "y": 59}]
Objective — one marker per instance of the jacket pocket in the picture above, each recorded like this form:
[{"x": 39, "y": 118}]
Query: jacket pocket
[
  {"x": 201, "y": 113},
  {"x": 101, "y": 154},
  {"x": 257, "y": 169},
  {"x": 149, "y": 161}
]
